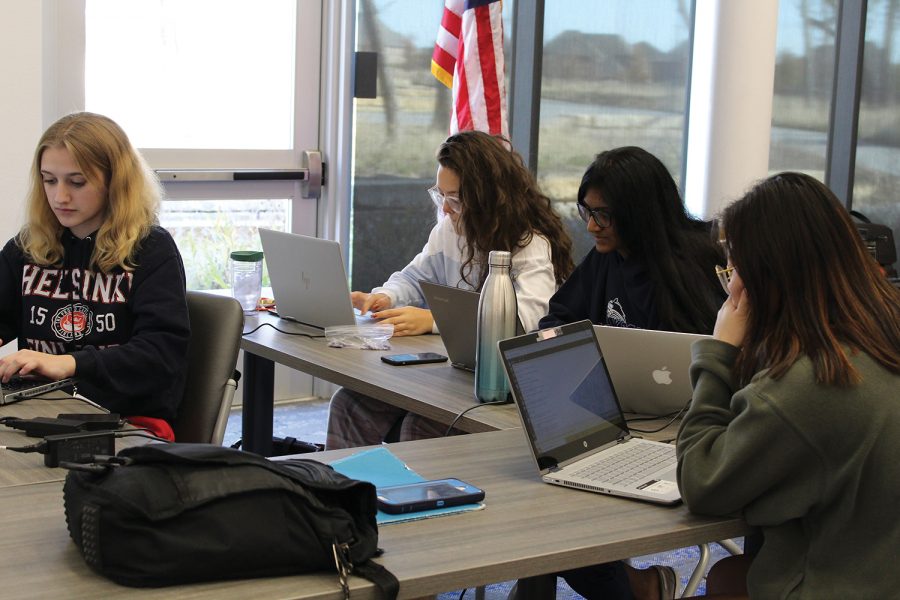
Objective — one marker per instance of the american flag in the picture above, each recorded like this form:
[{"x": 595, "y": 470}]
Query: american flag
[{"x": 468, "y": 58}]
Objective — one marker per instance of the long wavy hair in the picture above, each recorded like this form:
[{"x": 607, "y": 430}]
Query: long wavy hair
[
  {"x": 503, "y": 207},
  {"x": 107, "y": 159},
  {"x": 654, "y": 227},
  {"x": 814, "y": 290}
]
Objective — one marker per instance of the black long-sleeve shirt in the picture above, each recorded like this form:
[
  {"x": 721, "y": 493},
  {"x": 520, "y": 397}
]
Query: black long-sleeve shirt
[
  {"x": 127, "y": 331},
  {"x": 608, "y": 289}
]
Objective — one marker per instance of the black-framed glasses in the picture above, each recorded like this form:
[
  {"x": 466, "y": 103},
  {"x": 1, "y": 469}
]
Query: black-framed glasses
[
  {"x": 724, "y": 274},
  {"x": 602, "y": 216},
  {"x": 438, "y": 198}
]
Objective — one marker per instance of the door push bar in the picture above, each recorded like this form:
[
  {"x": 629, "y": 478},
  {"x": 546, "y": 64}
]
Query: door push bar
[{"x": 311, "y": 174}]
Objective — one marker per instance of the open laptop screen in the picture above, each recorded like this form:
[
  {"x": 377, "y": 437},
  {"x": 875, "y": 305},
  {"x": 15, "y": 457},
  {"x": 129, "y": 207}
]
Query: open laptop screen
[
  {"x": 308, "y": 279},
  {"x": 455, "y": 310},
  {"x": 563, "y": 391}
]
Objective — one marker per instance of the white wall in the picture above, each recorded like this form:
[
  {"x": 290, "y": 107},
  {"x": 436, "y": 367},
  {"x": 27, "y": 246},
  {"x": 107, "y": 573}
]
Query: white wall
[
  {"x": 21, "y": 107},
  {"x": 21, "y": 71}
]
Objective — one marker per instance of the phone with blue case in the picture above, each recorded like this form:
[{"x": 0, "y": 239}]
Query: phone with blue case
[{"x": 426, "y": 495}]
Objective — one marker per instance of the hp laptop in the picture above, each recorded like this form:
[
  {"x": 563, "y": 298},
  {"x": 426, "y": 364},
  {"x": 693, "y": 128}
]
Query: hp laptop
[
  {"x": 22, "y": 388},
  {"x": 573, "y": 420},
  {"x": 308, "y": 279},
  {"x": 455, "y": 311},
  {"x": 649, "y": 368}
]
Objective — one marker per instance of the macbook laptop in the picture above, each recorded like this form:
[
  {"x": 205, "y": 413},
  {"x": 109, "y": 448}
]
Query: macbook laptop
[
  {"x": 573, "y": 420},
  {"x": 308, "y": 279},
  {"x": 649, "y": 368},
  {"x": 455, "y": 311},
  {"x": 22, "y": 388}
]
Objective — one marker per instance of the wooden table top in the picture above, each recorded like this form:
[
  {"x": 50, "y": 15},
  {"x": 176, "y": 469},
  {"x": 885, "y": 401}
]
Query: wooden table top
[
  {"x": 437, "y": 391},
  {"x": 528, "y": 528}
]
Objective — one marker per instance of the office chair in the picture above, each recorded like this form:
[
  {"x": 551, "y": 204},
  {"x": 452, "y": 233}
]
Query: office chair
[{"x": 216, "y": 326}]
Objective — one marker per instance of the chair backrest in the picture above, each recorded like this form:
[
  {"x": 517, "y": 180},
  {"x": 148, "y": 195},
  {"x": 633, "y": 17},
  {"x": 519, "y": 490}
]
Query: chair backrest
[{"x": 216, "y": 326}]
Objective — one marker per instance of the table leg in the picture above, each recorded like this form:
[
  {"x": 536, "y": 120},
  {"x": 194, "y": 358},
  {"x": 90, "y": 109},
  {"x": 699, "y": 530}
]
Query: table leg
[
  {"x": 259, "y": 400},
  {"x": 540, "y": 587}
]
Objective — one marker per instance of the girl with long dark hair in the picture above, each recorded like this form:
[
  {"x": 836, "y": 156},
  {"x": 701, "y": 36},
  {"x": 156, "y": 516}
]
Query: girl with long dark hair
[
  {"x": 795, "y": 417},
  {"x": 487, "y": 200},
  {"x": 651, "y": 265}
]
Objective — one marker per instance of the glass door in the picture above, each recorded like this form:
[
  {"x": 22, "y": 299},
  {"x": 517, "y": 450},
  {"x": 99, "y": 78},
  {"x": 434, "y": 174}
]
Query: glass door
[{"x": 222, "y": 98}]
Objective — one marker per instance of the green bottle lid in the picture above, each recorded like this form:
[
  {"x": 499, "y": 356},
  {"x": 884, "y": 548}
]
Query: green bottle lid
[{"x": 247, "y": 255}]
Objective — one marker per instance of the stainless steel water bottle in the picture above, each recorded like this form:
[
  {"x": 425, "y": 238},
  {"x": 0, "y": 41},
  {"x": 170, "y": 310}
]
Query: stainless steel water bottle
[{"x": 497, "y": 312}]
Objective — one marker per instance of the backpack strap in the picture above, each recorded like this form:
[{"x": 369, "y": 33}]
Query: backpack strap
[
  {"x": 307, "y": 472},
  {"x": 860, "y": 216},
  {"x": 383, "y": 579}
]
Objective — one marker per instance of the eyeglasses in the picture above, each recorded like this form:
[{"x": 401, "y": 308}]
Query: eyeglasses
[
  {"x": 724, "y": 274},
  {"x": 438, "y": 198},
  {"x": 602, "y": 216}
]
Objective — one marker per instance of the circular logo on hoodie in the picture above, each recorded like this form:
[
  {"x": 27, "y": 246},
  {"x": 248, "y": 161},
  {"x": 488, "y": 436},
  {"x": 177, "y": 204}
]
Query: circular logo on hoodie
[{"x": 72, "y": 322}]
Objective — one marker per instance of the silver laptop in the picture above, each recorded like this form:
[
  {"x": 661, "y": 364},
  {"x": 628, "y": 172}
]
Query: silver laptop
[
  {"x": 573, "y": 420},
  {"x": 455, "y": 311},
  {"x": 22, "y": 388},
  {"x": 649, "y": 368},
  {"x": 308, "y": 279}
]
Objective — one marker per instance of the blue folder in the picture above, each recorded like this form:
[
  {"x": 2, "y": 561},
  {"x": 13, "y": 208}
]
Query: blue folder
[{"x": 382, "y": 468}]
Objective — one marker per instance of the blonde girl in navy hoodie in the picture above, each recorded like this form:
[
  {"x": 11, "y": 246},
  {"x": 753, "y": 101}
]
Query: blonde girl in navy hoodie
[{"x": 92, "y": 286}]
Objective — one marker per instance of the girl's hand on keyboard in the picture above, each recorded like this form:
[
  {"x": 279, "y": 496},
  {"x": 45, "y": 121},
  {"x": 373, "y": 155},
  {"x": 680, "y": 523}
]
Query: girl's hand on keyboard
[
  {"x": 369, "y": 302},
  {"x": 25, "y": 362},
  {"x": 407, "y": 320}
]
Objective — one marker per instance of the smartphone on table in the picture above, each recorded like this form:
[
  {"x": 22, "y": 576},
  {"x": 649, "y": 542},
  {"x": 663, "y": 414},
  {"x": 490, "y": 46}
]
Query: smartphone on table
[
  {"x": 425, "y": 495},
  {"x": 419, "y": 358}
]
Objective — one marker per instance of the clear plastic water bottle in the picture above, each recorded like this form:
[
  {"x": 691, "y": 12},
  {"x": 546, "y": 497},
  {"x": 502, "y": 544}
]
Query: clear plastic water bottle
[
  {"x": 246, "y": 278},
  {"x": 497, "y": 311}
]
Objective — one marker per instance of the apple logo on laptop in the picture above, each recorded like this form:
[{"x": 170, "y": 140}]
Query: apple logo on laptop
[{"x": 662, "y": 376}]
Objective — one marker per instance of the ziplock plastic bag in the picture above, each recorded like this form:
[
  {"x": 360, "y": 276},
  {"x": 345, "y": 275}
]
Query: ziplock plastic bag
[{"x": 365, "y": 337}]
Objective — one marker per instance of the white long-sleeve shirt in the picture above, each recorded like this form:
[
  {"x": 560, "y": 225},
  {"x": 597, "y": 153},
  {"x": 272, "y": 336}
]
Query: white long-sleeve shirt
[{"x": 440, "y": 260}]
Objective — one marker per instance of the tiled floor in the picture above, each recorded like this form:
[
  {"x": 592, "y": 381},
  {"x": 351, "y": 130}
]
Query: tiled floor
[{"x": 306, "y": 421}]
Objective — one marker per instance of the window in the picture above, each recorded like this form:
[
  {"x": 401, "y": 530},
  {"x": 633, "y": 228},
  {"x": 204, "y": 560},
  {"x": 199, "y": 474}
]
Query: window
[
  {"x": 804, "y": 75},
  {"x": 207, "y": 230},
  {"x": 395, "y": 137},
  {"x": 877, "y": 175},
  {"x": 193, "y": 81},
  {"x": 194, "y": 92},
  {"x": 614, "y": 74}
]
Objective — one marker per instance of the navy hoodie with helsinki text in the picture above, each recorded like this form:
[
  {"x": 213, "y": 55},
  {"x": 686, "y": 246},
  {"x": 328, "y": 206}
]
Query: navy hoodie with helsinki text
[{"x": 127, "y": 331}]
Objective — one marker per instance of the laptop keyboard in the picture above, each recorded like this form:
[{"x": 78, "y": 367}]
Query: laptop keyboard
[
  {"x": 15, "y": 384},
  {"x": 630, "y": 466}
]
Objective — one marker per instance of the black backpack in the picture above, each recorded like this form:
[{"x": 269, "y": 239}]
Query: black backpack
[{"x": 165, "y": 514}]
